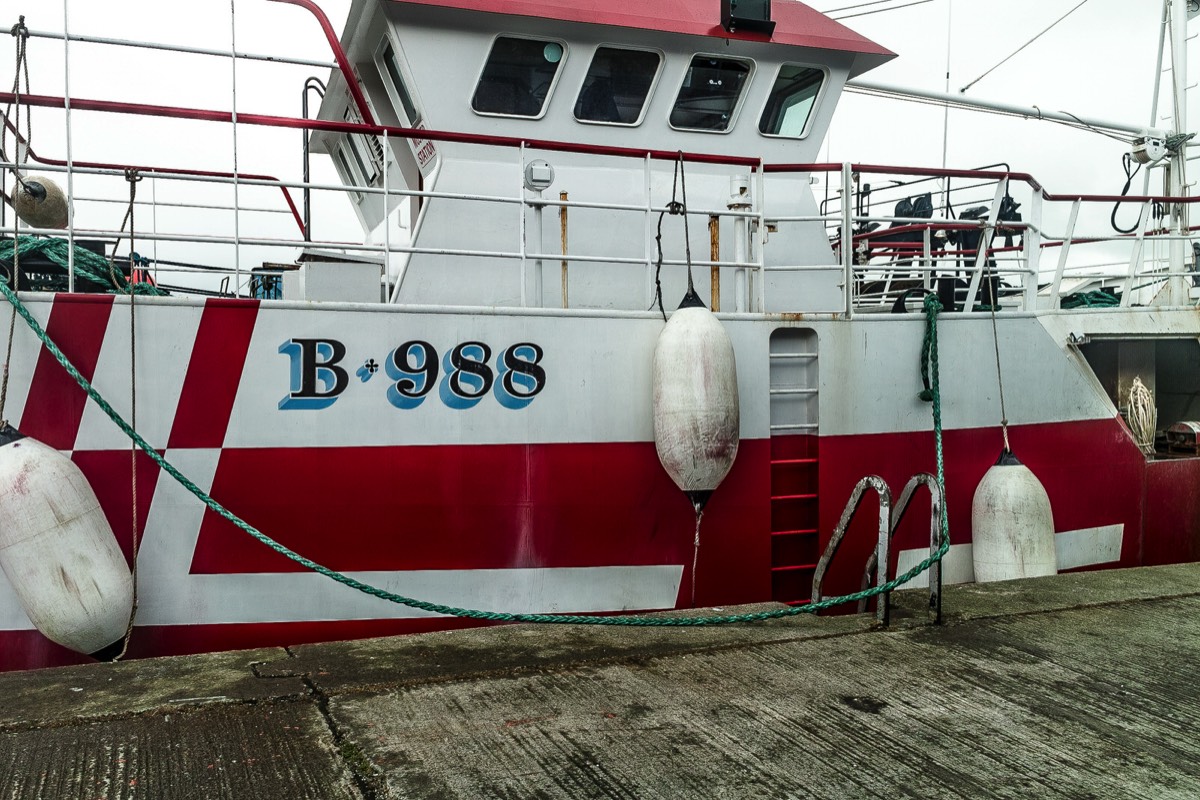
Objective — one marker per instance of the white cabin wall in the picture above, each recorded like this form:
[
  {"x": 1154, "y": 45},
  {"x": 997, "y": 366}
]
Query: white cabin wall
[{"x": 445, "y": 51}]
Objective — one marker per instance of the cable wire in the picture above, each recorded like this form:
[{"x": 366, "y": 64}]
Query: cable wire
[{"x": 1022, "y": 47}]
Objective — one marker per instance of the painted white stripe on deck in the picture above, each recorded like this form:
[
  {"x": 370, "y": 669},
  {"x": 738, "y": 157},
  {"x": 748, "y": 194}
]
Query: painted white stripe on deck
[{"x": 1080, "y": 548}]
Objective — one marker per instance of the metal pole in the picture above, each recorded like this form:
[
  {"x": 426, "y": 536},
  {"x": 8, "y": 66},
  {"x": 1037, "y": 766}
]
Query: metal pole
[
  {"x": 714, "y": 254},
  {"x": 1177, "y": 289},
  {"x": 314, "y": 84},
  {"x": 386, "y": 269},
  {"x": 562, "y": 221},
  {"x": 847, "y": 239},
  {"x": 538, "y": 209},
  {"x": 237, "y": 248},
  {"x": 521, "y": 211},
  {"x": 70, "y": 157},
  {"x": 1029, "y": 112},
  {"x": 740, "y": 200}
]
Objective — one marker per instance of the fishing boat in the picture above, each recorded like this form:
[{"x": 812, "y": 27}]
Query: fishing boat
[{"x": 461, "y": 407}]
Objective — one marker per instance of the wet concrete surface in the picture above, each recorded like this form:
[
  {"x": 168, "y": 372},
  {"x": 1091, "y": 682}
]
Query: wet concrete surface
[{"x": 1078, "y": 686}]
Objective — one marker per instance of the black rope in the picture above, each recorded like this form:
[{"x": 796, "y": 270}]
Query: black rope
[
  {"x": 674, "y": 208},
  {"x": 1127, "y": 163},
  {"x": 134, "y": 178},
  {"x": 21, "y": 68}
]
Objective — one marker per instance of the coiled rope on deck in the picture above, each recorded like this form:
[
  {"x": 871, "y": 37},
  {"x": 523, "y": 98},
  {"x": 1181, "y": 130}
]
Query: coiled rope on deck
[
  {"x": 932, "y": 308},
  {"x": 92, "y": 266}
]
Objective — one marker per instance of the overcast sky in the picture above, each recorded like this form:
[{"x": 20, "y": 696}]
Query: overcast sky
[{"x": 1099, "y": 62}]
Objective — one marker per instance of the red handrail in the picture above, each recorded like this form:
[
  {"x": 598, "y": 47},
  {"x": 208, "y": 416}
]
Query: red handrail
[
  {"x": 55, "y": 162},
  {"x": 339, "y": 55},
  {"x": 207, "y": 115}
]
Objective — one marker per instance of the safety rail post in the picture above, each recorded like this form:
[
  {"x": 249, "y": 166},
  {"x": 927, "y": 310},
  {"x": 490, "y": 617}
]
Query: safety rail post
[
  {"x": 881, "y": 546},
  {"x": 385, "y": 269},
  {"x": 714, "y": 254},
  {"x": 1032, "y": 240},
  {"x": 760, "y": 295},
  {"x": 1136, "y": 258},
  {"x": 237, "y": 211},
  {"x": 927, "y": 257},
  {"x": 562, "y": 224},
  {"x": 647, "y": 182},
  {"x": 70, "y": 150},
  {"x": 1068, "y": 237},
  {"x": 985, "y": 245},
  {"x": 936, "y": 503},
  {"x": 521, "y": 225},
  {"x": 847, "y": 238}
]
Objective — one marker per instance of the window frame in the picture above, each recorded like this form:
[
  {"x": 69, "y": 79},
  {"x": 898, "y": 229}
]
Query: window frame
[
  {"x": 735, "y": 114},
  {"x": 406, "y": 78},
  {"x": 808, "y": 123},
  {"x": 549, "y": 90},
  {"x": 662, "y": 61},
  {"x": 365, "y": 156},
  {"x": 346, "y": 167}
]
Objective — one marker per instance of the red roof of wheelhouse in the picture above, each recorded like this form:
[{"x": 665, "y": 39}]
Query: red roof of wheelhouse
[{"x": 795, "y": 23}]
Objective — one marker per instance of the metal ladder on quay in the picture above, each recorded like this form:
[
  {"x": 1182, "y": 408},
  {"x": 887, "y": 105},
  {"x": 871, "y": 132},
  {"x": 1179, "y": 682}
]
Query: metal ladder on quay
[{"x": 890, "y": 517}]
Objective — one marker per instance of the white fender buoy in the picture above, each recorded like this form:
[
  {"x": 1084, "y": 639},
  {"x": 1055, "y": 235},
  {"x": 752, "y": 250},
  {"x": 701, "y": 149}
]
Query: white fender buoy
[
  {"x": 1012, "y": 526},
  {"x": 40, "y": 203},
  {"x": 696, "y": 414},
  {"x": 58, "y": 551}
]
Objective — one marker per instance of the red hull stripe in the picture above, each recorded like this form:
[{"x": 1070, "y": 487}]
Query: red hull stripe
[
  {"x": 109, "y": 473},
  {"x": 54, "y": 407},
  {"x": 488, "y": 507},
  {"x": 1091, "y": 469},
  {"x": 214, "y": 372}
]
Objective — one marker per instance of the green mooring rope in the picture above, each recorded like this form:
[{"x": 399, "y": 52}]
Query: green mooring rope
[
  {"x": 1096, "y": 299},
  {"x": 931, "y": 311},
  {"x": 92, "y": 266}
]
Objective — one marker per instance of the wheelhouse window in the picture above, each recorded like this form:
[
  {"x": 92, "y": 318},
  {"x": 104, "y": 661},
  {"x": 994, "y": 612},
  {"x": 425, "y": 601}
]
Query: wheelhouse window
[
  {"x": 710, "y": 93},
  {"x": 791, "y": 101},
  {"x": 350, "y": 176},
  {"x": 517, "y": 77},
  {"x": 617, "y": 85},
  {"x": 366, "y": 151},
  {"x": 388, "y": 62}
]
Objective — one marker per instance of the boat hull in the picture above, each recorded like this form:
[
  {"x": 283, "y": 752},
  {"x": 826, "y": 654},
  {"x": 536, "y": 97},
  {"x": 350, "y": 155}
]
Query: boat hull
[{"x": 542, "y": 493}]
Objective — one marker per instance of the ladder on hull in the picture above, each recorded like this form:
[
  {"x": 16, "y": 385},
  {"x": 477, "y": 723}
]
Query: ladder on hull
[{"x": 794, "y": 464}]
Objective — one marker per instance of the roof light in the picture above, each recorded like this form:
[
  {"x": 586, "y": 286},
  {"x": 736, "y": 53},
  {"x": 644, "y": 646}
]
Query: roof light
[{"x": 747, "y": 15}]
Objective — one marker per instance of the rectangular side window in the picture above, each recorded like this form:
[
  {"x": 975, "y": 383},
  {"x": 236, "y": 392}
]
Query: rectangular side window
[
  {"x": 517, "y": 77},
  {"x": 791, "y": 101},
  {"x": 394, "y": 82},
  {"x": 349, "y": 174},
  {"x": 710, "y": 93},
  {"x": 367, "y": 153},
  {"x": 617, "y": 85}
]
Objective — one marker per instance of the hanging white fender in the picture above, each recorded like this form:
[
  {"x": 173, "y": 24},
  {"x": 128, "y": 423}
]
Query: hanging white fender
[
  {"x": 58, "y": 551},
  {"x": 40, "y": 203},
  {"x": 696, "y": 413},
  {"x": 1012, "y": 526}
]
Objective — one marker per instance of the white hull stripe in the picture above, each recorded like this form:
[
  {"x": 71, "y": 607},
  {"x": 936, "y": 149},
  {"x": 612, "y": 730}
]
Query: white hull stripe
[{"x": 1080, "y": 548}]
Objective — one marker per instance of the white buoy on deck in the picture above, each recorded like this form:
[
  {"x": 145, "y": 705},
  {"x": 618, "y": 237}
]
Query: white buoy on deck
[
  {"x": 58, "y": 551},
  {"x": 40, "y": 203},
  {"x": 696, "y": 415},
  {"x": 1012, "y": 524}
]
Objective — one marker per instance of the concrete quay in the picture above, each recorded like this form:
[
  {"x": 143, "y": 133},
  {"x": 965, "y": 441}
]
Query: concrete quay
[{"x": 1077, "y": 686}]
